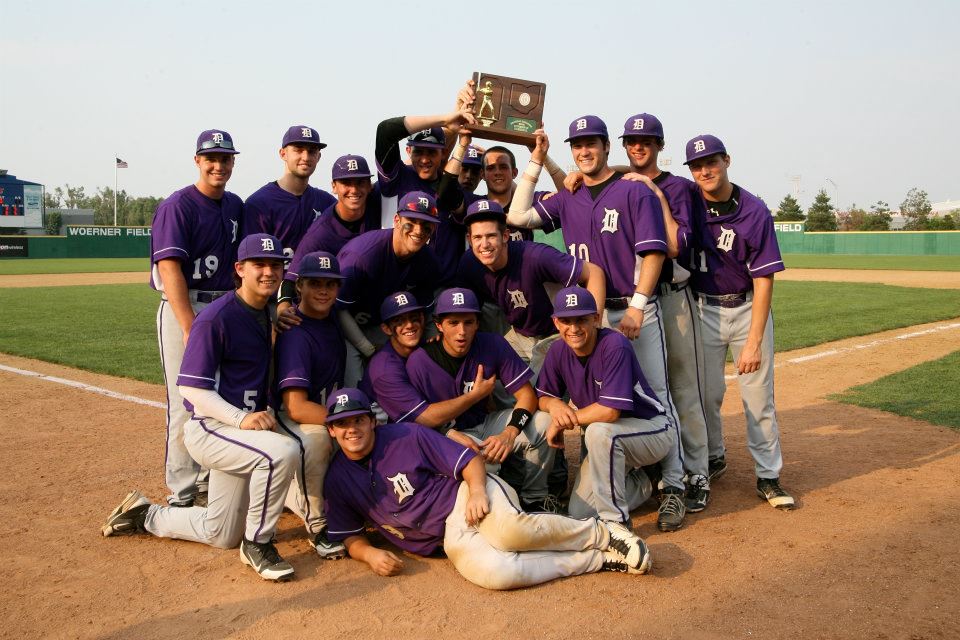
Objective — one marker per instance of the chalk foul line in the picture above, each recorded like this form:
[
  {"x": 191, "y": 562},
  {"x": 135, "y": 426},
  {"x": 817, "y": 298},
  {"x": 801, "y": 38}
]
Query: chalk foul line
[{"x": 84, "y": 387}]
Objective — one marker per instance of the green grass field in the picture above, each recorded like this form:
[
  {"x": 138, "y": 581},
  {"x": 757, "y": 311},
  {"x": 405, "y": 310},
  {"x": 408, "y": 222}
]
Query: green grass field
[
  {"x": 927, "y": 392},
  {"x": 110, "y": 328},
  {"x": 20, "y": 267},
  {"x": 896, "y": 263}
]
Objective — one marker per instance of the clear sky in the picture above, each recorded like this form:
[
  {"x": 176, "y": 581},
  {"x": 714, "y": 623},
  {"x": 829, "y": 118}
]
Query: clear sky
[{"x": 863, "y": 94}]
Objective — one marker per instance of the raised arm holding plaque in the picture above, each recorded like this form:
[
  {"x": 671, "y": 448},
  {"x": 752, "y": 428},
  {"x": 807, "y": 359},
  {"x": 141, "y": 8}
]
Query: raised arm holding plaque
[{"x": 507, "y": 109}]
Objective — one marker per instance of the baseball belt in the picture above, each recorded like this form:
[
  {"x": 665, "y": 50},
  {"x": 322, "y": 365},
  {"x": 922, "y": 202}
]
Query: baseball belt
[
  {"x": 726, "y": 300},
  {"x": 666, "y": 288}
]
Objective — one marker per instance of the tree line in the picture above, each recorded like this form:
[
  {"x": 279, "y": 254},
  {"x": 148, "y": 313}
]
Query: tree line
[
  {"x": 823, "y": 216},
  {"x": 134, "y": 212}
]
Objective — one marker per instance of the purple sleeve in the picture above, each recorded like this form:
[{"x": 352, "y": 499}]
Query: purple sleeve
[
  {"x": 617, "y": 389},
  {"x": 254, "y": 218},
  {"x": 342, "y": 520},
  {"x": 648, "y": 229},
  {"x": 201, "y": 358},
  {"x": 445, "y": 456},
  {"x": 512, "y": 371},
  {"x": 680, "y": 198},
  {"x": 394, "y": 393},
  {"x": 293, "y": 360},
  {"x": 168, "y": 233},
  {"x": 764, "y": 257},
  {"x": 549, "y": 210},
  {"x": 558, "y": 267},
  {"x": 416, "y": 367},
  {"x": 550, "y": 380}
]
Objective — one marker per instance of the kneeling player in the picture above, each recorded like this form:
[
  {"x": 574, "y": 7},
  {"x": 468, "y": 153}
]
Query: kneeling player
[{"x": 434, "y": 492}]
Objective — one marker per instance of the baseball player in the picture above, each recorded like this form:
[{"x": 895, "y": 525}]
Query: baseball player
[
  {"x": 618, "y": 225},
  {"x": 430, "y": 491},
  {"x": 733, "y": 278},
  {"x": 385, "y": 379},
  {"x": 624, "y": 425},
  {"x": 514, "y": 276},
  {"x": 380, "y": 262},
  {"x": 193, "y": 242},
  {"x": 308, "y": 368},
  {"x": 356, "y": 211},
  {"x": 454, "y": 376},
  {"x": 471, "y": 169},
  {"x": 224, "y": 380},
  {"x": 288, "y": 206}
]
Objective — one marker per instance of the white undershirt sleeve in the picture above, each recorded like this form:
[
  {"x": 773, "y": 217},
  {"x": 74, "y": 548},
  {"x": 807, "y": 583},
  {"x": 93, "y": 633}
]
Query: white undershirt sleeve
[{"x": 209, "y": 403}]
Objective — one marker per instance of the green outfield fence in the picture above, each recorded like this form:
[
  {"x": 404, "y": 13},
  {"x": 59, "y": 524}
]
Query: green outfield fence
[
  {"x": 81, "y": 241},
  {"x": 893, "y": 243}
]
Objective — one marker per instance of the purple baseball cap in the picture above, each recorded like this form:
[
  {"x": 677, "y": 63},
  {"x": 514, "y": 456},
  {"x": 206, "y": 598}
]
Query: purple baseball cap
[
  {"x": 473, "y": 156},
  {"x": 571, "y": 302},
  {"x": 302, "y": 134},
  {"x": 419, "y": 205},
  {"x": 643, "y": 124},
  {"x": 346, "y": 403},
  {"x": 320, "y": 264},
  {"x": 484, "y": 210},
  {"x": 430, "y": 138},
  {"x": 703, "y": 146},
  {"x": 215, "y": 141},
  {"x": 350, "y": 166},
  {"x": 587, "y": 126},
  {"x": 398, "y": 303},
  {"x": 260, "y": 245},
  {"x": 457, "y": 300}
]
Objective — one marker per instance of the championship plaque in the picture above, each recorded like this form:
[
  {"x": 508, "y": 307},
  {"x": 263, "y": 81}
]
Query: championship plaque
[{"x": 507, "y": 109}]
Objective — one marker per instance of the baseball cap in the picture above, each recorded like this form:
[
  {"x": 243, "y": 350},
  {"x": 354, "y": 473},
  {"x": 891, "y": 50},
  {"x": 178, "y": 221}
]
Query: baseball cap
[
  {"x": 430, "y": 138},
  {"x": 571, "y": 302},
  {"x": 215, "y": 141},
  {"x": 346, "y": 403},
  {"x": 260, "y": 245},
  {"x": 587, "y": 126},
  {"x": 419, "y": 205},
  {"x": 320, "y": 264},
  {"x": 350, "y": 166},
  {"x": 472, "y": 156},
  {"x": 302, "y": 134},
  {"x": 484, "y": 210},
  {"x": 398, "y": 303},
  {"x": 642, "y": 124},
  {"x": 457, "y": 300},
  {"x": 703, "y": 146}
]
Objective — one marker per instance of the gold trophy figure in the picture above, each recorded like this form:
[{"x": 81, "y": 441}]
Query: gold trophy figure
[{"x": 487, "y": 113}]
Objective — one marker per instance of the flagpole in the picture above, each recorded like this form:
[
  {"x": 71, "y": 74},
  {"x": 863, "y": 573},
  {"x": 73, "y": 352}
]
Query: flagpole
[{"x": 116, "y": 171}]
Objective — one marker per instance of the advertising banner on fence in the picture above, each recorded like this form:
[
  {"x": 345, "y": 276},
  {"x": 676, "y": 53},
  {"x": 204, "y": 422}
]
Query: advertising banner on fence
[{"x": 13, "y": 247}]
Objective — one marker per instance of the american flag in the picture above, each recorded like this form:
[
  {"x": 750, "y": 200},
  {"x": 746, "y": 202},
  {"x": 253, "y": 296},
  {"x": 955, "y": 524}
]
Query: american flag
[{"x": 121, "y": 164}]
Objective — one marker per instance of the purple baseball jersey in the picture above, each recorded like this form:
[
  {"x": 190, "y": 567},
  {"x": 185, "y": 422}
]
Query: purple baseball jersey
[
  {"x": 610, "y": 377},
  {"x": 373, "y": 271},
  {"x": 229, "y": 352},
  {"x": 385, "y": 381},
  {"x": 625, "y": 220},
  {"x": 449, "y": 240},
  {"x": 436, "y": 385},
  {"x": 518, "y": 287},
  {"x": 733, "y": 249},
  {"x": 328, "y": 233},
  {"x": 272, "y": 210},
  {"x": 200, "y": 232},
  {"x": 406, "y": 489},
  {"x": 679, "y": 193},
  {"x": 310, "y": 356}
]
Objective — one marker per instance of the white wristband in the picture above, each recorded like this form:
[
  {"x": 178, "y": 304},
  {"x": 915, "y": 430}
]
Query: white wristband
[{"x": 638, "y": 301}]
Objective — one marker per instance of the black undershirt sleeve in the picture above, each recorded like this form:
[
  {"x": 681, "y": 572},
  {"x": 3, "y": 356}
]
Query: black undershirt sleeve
[
  {"x": 449, "y": 193},
  {"x": 389, "y": 133}
]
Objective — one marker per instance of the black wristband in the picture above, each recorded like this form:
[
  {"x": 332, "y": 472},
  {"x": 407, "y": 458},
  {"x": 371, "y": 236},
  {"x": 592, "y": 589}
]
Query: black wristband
[
  {"x": 519, "y": 419},
  {"x": 288, "y": 291}
]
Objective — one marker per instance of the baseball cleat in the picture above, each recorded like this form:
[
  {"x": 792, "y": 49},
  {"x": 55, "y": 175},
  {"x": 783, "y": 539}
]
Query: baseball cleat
[
  {"x": 265, "y": 560},
  {"x": 128, "y": 517},
  {"x": 327, "y": 549},
  {"x": 629, "y": 547},
  {"x": 698, "y": 494},
  {"x": 716, "y": 467},
  {"x": 613, "y": 560},
  {"x": 770, "y": 490},
  {"x": 672, "y": 509}
]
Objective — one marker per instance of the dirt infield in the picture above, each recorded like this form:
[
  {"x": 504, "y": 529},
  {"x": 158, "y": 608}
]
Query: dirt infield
[
  {"x": 928, "y": 279},
  {"x": 870, "y": 553},
  {"x": 68, "y": 279}
]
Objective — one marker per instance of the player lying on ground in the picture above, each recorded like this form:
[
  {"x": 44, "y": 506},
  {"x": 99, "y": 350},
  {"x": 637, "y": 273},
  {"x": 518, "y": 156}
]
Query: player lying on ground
[{"x": 423, "y": 491}]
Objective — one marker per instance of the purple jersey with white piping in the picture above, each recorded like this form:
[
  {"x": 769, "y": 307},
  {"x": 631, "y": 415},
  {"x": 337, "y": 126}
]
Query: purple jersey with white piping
[
  {"x": 434, "y": 384},
  {"x": 229, "y": 352},
  {"x": 406, "y": 489},
  {"x": 311, "y": 356},
  {"x": 735, "y": 248},
  {"x": 271, "y": 209},
  {"x": 679, "y": 193},
  {"x": 200, "y": 232},
  {"x": 518, "y": 287},
  {"x": 610, "y": 377},
  {"x": 385, "y": 381},
  {"x": 625, "y": 220}
]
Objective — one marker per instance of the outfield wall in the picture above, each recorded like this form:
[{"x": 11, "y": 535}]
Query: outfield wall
[
  {"x": 81, "y": 241},
  {"x": 894, "y": 243}
]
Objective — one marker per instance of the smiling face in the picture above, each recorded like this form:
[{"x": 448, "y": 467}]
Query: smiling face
[
  {"x": 488, "y": 241},
  {"x": 411, "y": 234},
  {"x": 317, "y": 296},
  {"x": 300, "y": 160},
  {"x": 425, "y": 161},
  {"x": 215, "y": 171},
  {"x": 579, "y": 332},
  {"x": 457, "y": 332},
  {"x": 259, "y": 280},
  {"x": 710, "y": 174},
  {"x": 405, "y": 331},
  {"x": 498, "y": 172},
  {"x": 354, "y": 435},
  {"x": 642, "y": 151},
  {"x": 352, "y": 197},
  {"x": 590, "y": 154}
]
